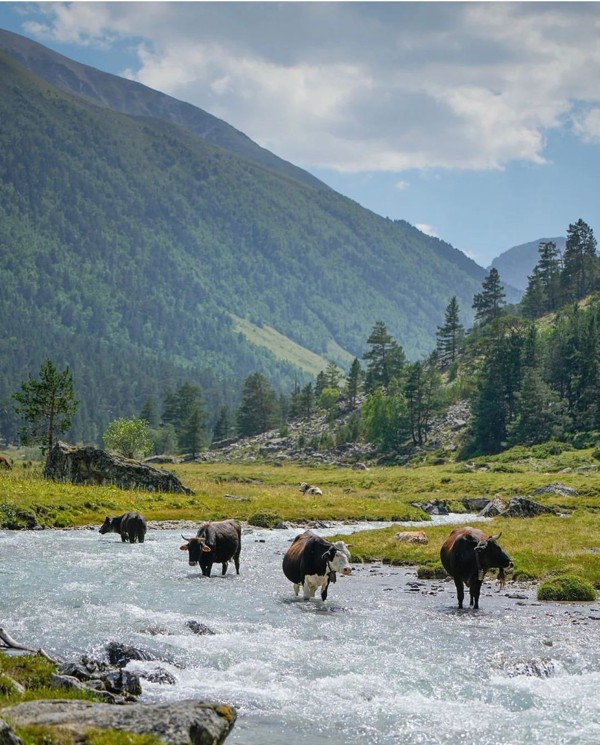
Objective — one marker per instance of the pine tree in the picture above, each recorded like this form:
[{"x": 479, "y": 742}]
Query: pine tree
[
  {"x": 224, "y": 424},
  {"x": 450, "y": 336},
  {"x": 535, "y": 301},
  {"x": 258, "y": 410},
  {"x": 386, "y": 359},
  {"x": 47, "y": 405},
  {"x": 422, "y": 397},
  {"x": 549, "y": 267},
  {"x": 580, "y": 261},
  {"x": 488, "y": 303},
  {"x": 353, "y": 382}
]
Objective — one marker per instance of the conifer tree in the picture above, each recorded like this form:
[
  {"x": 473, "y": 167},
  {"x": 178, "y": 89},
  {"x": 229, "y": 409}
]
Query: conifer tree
[
  {"x": 385, "y": 359},
  {"x": 258, "y": 409},
  {"x": 450, "y": 336},
  {"x": 549, "y": 268},
  {"x": 47, "y": 405},
  {"x": 488, "y": 303},
  {"x": 579, "y": 261},
  {"x": 534, "y": 301},
  {"x": 224, "y": 424},
  {"x": 353, "y": 382}
]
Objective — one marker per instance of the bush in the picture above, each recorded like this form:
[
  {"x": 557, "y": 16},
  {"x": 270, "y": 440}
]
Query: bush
[
  {"x": 264, "y": 519},
  {"x": 566, "y": 587}
]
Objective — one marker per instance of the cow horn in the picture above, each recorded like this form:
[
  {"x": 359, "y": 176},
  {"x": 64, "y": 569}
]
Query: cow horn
[
  {"x": 494, "y": 538},
  {"x": 481, "y": 545},
  {"x": 185, "y": 539}
]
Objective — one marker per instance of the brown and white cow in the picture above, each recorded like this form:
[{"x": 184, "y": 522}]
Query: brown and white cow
[
  {"x": 466, "y": 555},
  {"x": 215, "y": 542},
  {"x": 312, "y": 562}
]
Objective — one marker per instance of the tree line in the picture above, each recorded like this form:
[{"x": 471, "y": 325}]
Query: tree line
[{"x": 527, "y": 382}]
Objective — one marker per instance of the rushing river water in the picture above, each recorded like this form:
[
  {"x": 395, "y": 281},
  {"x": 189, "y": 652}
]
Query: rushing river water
[{"x": 386, "y": 660}]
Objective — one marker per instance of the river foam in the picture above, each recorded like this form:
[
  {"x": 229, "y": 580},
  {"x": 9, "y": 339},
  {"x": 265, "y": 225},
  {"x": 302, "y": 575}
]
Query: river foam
[{"x": 387, "y": 659}]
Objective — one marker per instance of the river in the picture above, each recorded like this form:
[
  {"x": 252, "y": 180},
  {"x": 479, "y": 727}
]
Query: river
[{"x": 387, "y": 659}]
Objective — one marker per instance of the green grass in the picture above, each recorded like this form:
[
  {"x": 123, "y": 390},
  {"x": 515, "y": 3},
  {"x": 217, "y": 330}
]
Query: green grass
[
  {"x": 540, "y": 547},
  {"x": 567, "y": 587}
]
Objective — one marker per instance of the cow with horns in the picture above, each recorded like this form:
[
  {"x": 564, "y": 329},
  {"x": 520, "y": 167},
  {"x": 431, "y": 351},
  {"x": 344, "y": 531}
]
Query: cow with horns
[
  {"x": 466, "y": 555},
  {"x": 215, "y": 542}
]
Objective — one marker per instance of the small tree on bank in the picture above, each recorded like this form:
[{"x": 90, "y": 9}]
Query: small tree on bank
[
  {"x": 129, "y": 437},
  {"x": 47, "y": 405}
]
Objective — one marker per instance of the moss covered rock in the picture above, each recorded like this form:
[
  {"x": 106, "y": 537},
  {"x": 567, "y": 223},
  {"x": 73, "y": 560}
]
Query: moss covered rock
[{"x": 566, "y": 587}]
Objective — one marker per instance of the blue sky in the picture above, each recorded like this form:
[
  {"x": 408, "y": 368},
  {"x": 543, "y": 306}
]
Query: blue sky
[{"x": 477, "y": 122}]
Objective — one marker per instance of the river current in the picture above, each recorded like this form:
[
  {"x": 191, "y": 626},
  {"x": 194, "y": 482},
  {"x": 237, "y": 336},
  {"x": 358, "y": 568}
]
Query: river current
[{"x": 386, "y": 660}]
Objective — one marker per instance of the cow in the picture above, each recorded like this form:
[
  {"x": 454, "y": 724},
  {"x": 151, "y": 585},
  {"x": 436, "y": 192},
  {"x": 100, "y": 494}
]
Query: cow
[
  {"x": 218, "y": 542},
  {"x": 5, "y": 463},
  {"x": 312, "y": 562},
  {"x": 308, "y": 489},
  {"x": 131, "y": 526},
  {"x": 466, "y": 555}
]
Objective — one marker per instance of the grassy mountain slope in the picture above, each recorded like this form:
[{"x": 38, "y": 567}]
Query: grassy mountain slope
[
  {"x": 517, "y": 263},
  {"x": 127, "y": 242}
]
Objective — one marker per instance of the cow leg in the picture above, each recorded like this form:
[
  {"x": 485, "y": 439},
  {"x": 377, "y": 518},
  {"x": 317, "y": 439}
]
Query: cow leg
[
  {"x": 296, "y": 589},
  {"x": 124, "y": 537},
  {"x": 324, "y": 590},
  {"x": 236, "y": 561},
  {"x": 475, "y": 591},
  {"x": 224, "y": 568},
  {"x": 460, "y": 591},
  {"x": 309, "y": 590}
]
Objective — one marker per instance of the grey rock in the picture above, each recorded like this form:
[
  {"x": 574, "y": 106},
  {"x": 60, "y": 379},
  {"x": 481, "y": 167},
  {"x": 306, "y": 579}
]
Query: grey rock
[
  {"x": 121, "y": 654},
  {"x": 180, "y": 723},
  {"x": 90, "y": 465},
  {"x": 158, "y": 675},
  {"x": 199, "y": 628},
  {"x": 7, "y": 736},
  {"x": 522, "y": 507},
  {"x": 542, "y": 667},
  {"x": 558, "y": 489},
  {"x": 475, "y": 504},
  {"x": 493, "y": 508}
]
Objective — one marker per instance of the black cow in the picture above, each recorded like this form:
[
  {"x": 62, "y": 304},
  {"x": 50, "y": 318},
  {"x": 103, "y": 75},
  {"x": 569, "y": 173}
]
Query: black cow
[
  {"x": 218, "y": 542},
  {"x": 312, "y": 562},
  {"x": 467, "y": 555},
  {"x": 131, "y": 526}
]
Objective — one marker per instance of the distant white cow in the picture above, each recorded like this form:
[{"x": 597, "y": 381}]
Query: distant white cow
[{"x": 308, "y": 489}]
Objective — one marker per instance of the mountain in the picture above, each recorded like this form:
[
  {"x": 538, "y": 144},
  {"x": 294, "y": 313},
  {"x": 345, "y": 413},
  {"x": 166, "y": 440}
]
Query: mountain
[
  {"x": 517, "y": 263},
  {"x": 130, "y": 97},
  {"x": 144, "y": 255}
]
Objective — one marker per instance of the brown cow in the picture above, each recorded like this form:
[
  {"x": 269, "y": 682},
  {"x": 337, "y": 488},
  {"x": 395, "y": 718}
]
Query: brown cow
[
  {"x": 5, "y": 463},
  {"x": 466, "y": 555}
]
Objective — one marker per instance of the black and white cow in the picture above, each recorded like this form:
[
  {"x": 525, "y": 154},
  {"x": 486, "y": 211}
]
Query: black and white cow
[
  {"x": 218, "y": 542},
  {"x": 312, "y": 562},
  {"x": 131, "y": 526}
]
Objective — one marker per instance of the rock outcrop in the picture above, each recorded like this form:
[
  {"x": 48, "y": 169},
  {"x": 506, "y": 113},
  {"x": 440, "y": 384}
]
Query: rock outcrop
[
  {"x": 90, "y": 465},
  {"x": 180, "y": 723}
]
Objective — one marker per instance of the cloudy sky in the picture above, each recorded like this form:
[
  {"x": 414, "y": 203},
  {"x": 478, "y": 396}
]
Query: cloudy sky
[{"x": 477, "y": 122}]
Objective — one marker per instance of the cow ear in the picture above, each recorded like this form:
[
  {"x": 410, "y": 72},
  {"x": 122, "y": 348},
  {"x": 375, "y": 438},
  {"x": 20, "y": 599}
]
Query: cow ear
[
  {"x": 481, "y": 546},
  {"x": 185, "y": 547},
  {"x": 494, "y": 538}
]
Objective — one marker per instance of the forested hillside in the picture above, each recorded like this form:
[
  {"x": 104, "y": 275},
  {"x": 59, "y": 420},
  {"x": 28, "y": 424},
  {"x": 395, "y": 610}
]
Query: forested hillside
[{"x": 127, "y": 245}]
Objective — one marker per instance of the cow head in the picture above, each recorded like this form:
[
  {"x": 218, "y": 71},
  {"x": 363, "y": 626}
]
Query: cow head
[
  {"x": 197, "y": 549},
  {"x": 490, "y": 555},
  {"x": 338, "y": 558},
  {"x": 106, "y": 526}
]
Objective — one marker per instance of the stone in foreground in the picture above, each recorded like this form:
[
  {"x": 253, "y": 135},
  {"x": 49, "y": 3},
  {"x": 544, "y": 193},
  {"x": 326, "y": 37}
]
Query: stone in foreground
[{"x": 179, "y": 723}]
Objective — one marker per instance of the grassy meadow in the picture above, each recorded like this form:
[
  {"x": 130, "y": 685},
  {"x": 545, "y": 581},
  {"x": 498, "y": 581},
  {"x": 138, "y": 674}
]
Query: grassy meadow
[{"x": 264, "y": 494}]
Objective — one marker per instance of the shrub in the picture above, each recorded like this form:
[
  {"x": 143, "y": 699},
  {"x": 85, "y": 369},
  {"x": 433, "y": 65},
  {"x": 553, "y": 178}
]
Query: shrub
[
  {"x": 566, "y": 587},
  {"x": 264, "y": 519}
]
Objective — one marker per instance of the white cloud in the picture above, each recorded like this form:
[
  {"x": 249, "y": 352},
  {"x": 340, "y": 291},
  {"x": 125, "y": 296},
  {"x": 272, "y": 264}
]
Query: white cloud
[
  {"x": 587, "y": 125},
  {"x": 401, "y": 185},
  {"x": 363, "y": 87},
  {"x": 427, "y": 229}
]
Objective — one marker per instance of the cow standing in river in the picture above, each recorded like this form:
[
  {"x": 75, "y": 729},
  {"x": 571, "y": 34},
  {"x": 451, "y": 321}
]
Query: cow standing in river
[
  {"x": 312, "y": 562},
  {"x": 467, "y": 555},
  {"x": 218, "y": 542},
  {"x": 131, "y": 526}
]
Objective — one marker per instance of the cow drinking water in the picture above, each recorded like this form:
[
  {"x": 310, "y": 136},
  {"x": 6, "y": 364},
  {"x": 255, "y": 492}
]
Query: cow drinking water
[
  {"x": 466, "y": 555},
  {"x": 131, "y": 526},
  {"x": 218, "y": 542},
  {"x": 312, "y": 562}
]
